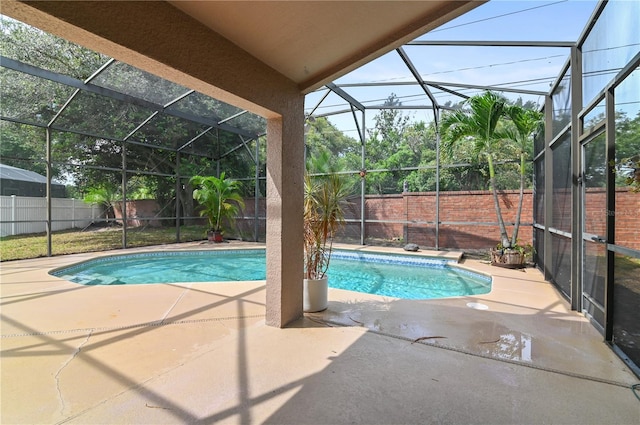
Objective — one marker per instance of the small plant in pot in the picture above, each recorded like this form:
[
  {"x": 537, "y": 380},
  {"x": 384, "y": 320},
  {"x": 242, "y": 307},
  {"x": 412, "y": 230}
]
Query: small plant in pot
[
  {"x": 220, "y": 201},
  {"x": 513, "y": 257},
  {"x": 324, "y": 194}
]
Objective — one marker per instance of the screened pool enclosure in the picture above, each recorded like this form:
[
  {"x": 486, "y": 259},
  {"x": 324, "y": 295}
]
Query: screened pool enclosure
[{"x": 97, "y": 123}]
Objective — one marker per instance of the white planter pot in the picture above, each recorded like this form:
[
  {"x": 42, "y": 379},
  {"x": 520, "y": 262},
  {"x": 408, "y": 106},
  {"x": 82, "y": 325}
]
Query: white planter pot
[{"x": 315, "y": 293}]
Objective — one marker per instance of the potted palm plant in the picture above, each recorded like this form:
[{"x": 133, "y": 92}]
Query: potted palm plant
[
  {"x": 220, "y": 200},
  {"x": 324, "y": 194},
  {"x": 492, "y": 126}
]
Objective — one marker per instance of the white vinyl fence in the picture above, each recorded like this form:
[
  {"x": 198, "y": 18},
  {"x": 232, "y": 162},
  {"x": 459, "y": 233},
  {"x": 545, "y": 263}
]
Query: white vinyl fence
[{"x": 22, "y": 215}]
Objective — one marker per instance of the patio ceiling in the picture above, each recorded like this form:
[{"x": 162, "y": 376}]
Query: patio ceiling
[{"x": 315, "y": 42}]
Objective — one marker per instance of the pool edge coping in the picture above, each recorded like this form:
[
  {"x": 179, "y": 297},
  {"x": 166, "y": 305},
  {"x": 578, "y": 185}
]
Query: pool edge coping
[{"x": 453, "y": 257}]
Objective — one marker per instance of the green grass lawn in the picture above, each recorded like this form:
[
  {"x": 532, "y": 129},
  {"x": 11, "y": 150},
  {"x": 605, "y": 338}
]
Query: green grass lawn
[{"x": 102, "y": 239}]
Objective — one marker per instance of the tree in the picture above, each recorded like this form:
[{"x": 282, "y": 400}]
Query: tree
[
  {"x": 386, "y": 148},
  {"x": 478, "y": 127},
  {"x": 493, "y": 129},
  {"x": 105, "y": 195},
  {"x": 322, "y": 136},
  {"x": 627, "y": 162},
  {"x": 36, "y": 47},
  {"x": 22, "y": 146},
  {"x": 524, "y": 125}
]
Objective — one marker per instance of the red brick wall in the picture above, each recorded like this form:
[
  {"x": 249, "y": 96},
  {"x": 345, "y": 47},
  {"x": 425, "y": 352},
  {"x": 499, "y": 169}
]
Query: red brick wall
[
  {"x": 457, "y": 210},
  {"x": 245, "y": 226},
  {"x": 561, "y": 201},
  {"x": 410, "y": 217},
  {"x": 627, "y": 218},
  {"x": 595, "y": 212},
  {"x": 627, "y": 222},
  {"x": 139, "y": 213}
]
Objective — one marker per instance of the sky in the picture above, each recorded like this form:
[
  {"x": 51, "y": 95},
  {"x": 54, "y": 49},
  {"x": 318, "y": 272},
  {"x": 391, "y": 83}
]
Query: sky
[{"x": 531, "y": 68}]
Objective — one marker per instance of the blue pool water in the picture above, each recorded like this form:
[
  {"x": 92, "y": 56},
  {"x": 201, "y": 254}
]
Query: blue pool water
[{"x": 397, "y": 276}]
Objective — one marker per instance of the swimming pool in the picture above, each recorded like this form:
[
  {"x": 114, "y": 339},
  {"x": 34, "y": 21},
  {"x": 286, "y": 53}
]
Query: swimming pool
[{"x": 399, "y": 276}]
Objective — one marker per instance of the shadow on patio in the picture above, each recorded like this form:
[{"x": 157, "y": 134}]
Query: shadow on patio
[{"x": 200, "y": 353}]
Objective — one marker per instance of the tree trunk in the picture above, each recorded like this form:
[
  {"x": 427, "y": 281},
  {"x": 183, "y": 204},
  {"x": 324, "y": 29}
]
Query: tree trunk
[
  {"x": 186, "y": 200},
  {"x": 516, "y": 227},
  {"x": 504, "y": 237}
]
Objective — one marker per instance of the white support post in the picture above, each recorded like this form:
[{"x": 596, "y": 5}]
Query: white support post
[{"x": 13, "y": 215}]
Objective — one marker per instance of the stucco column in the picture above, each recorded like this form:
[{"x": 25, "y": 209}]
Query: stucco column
[{"x": 285, "y": 168}]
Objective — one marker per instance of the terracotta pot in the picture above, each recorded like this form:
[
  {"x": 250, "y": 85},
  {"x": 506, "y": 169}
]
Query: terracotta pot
[{"x": 213, "y": 236}]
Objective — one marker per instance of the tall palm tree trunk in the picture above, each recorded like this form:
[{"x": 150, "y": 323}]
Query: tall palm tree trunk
[
  {"x": 516, "y": 227},
  {"x": 504, "y": 237}
]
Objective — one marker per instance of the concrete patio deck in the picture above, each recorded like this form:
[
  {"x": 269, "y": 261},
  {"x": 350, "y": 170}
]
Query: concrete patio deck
[{"x": 201, "y": 353}]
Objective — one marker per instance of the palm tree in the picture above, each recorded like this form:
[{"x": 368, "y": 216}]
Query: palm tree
[
  {"x": 479, "y": 125},
  {"x": 219, "y": 199},
  {"x": 105, "y": 195},
  {"x": 525, "y": 124}
]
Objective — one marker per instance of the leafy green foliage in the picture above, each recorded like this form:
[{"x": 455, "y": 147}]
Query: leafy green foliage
[
  {"x": 322, "y": 137},
  {"x": 219, "y": 199},
  {"x": 22, "y": 146},
  {"x": 387, "y": 148},
  {"x": 35, "y": 47},
  {"x": 400, "y": 151},
  {"x": 488, "y": 128},
  {"x": 627, "y": 163},
  {"x": 634, "y": 179},
  {"x": 104, "y": 195}
]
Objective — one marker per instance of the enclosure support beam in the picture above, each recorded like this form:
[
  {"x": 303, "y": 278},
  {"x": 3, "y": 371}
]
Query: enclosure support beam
[
  {"x": 178, "y": 196},
  {"x": 346, "y": 96},
  {"x": 48, "y": 191},
  {"x": 416, "y": 75},
  {"x": 363, "y": 183},
  {"x": 436, "y": 115},
  {"x": 611, "y": 207},
  {"x": 256, "y": 191},
  {"x": 124, "y": 195},
  {"x": 548, "y": 188},
  {"x": 576, "y": 173}
]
